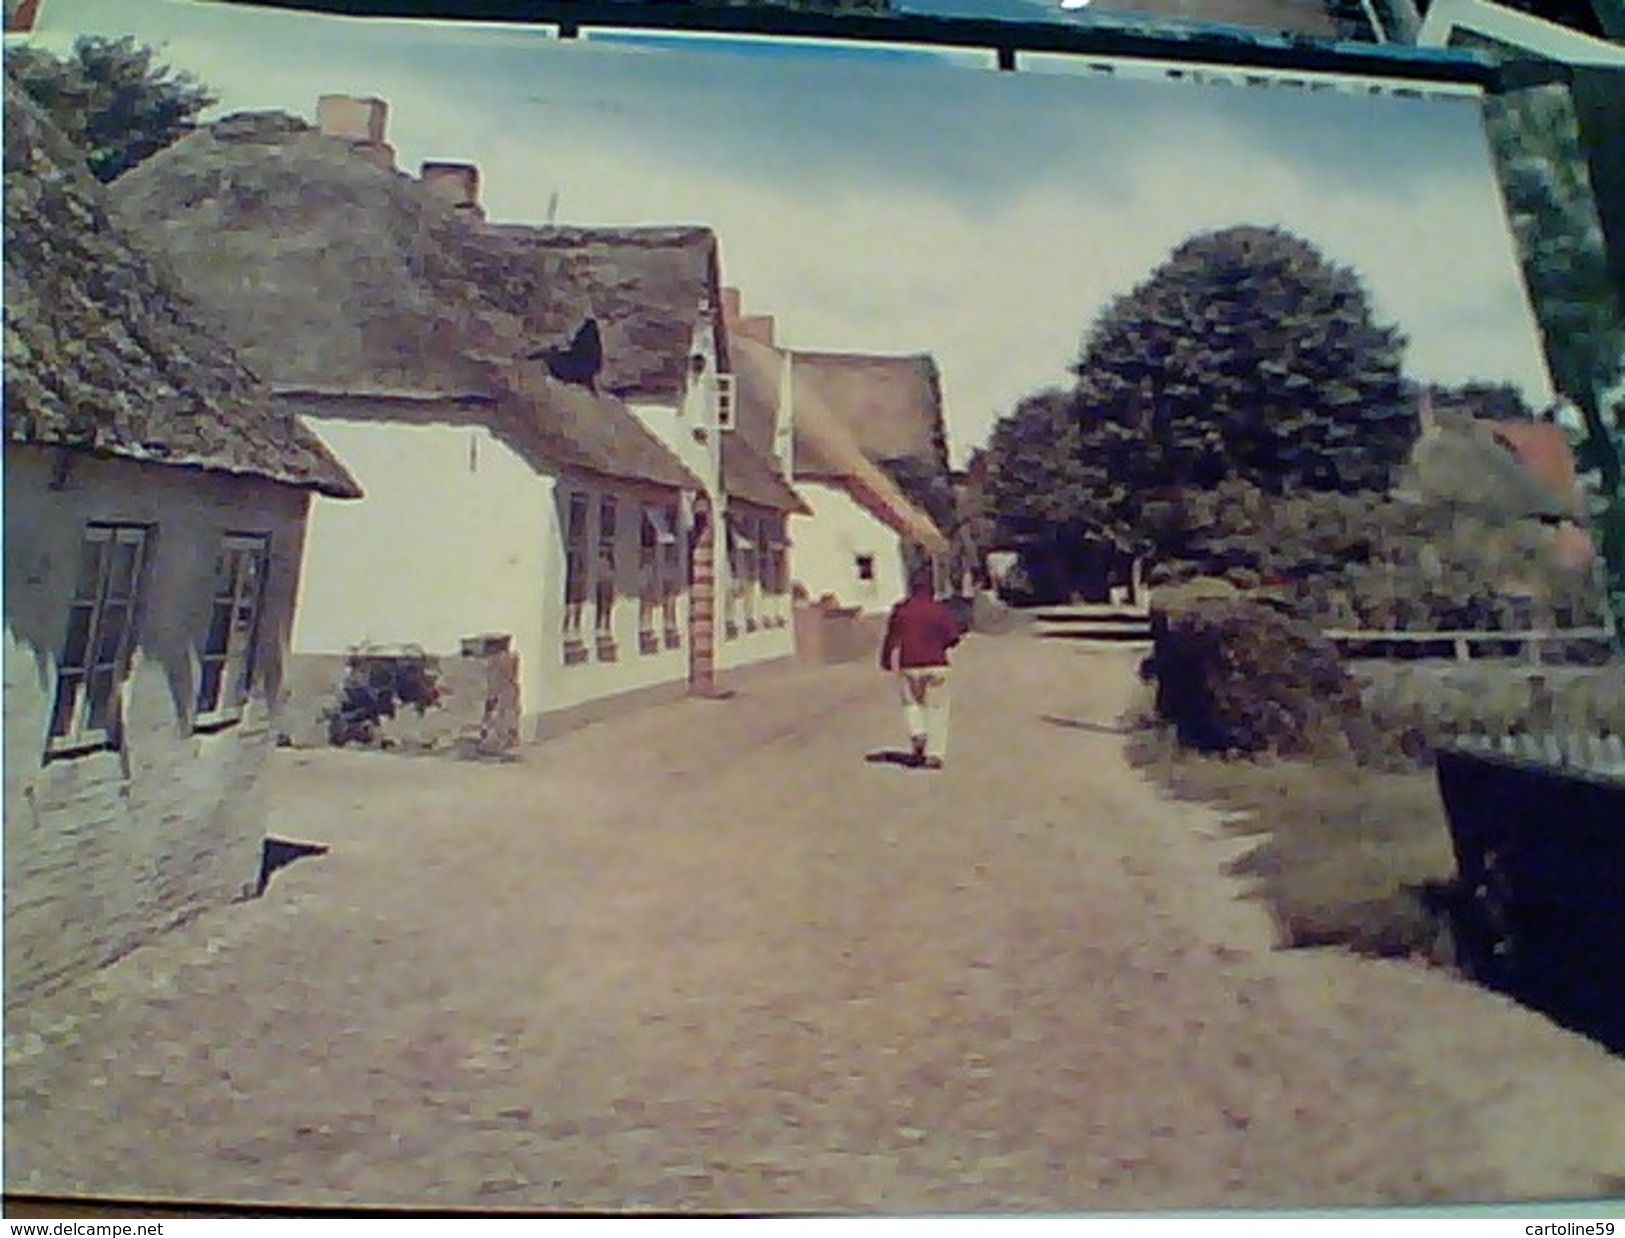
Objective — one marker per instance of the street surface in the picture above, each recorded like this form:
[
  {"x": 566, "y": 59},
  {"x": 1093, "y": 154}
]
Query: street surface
[{"x": 708, "y": 957}]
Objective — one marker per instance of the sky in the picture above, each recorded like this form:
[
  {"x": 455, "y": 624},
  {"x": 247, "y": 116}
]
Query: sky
[{"x": 913, "y": 203}]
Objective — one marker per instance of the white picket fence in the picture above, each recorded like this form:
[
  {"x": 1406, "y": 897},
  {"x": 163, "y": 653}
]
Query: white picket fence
[{"x": 1602, "y": 755}]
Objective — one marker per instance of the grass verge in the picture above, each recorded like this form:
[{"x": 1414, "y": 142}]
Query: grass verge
[{"x": 1346, "y": 855}]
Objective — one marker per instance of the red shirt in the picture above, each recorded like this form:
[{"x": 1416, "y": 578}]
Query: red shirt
[{"x": 920, "y": 631}]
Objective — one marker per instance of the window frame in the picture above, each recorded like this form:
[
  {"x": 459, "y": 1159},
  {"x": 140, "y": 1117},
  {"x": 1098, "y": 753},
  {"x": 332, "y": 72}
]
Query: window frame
[
  {"x": 577, "y": 584},
  {"x": 605, "y": 577},
  {"x": 741, "y": 549},
  {"x": 773, "y": 535},
  {"x": 656, "y": 533},
  {"x": 230, "y": 698},
  {"x": 673, "y": 580},
  {"x": 727, "y": 401},
  {"x": 70, "y": 731}
]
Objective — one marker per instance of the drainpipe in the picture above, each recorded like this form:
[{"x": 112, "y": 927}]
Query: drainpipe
[{"x": 702, "y": 602}]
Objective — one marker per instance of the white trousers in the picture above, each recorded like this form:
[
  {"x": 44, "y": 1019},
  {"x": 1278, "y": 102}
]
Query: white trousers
[{"x": 925, "y": 695}]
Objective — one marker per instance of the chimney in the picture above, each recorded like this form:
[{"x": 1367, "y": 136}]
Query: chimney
[
  {"x": 456, "y": 184},
  {"x": 730, "y": 306},
  {"x": 758, "y": 327},
  {"x": 362, "y": 122}
]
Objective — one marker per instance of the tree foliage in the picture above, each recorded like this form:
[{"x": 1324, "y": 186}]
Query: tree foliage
[
  {"x": 1246, "y": 356},
  {"x": 1483, "y": 400},
  {"x": 1249, "y": 355},
  {"x": 113, "y": 99},
  {"x": 1549, "y": 196}
]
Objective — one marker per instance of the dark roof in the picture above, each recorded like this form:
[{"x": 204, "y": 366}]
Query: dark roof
[
  {"x": 892, "y": 405},
  {"x": 571, "y": 427},
  {"x": 647, "y": 288},
  {"x": 750, "y": 467},
  {"x": 341, "y": 277},
  {"x": 103, "y": 353},
  {"x": 328, "y": 271},
  {"x": 758, "y": 376},
  {"x": 751, "y": 475}
]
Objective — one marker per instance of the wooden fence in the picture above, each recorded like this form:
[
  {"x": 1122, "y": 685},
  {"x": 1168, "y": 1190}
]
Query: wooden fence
[{"x": 1463, "y": 641}]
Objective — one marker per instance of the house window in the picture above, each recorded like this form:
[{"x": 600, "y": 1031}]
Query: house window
[
  {"x": 866, "y": 568},
  {"x": 764, "y": 570},
  {"x": 655, "y": 533},
  {"x": 604, "y": 580},
  {"x": 101, "y": 632},
  {"x": 725, "y": 401},
  {"x": 741, "y": 578},
  {"x": 575, "y": 578},
  {"x": 671, "y": 577},
  {"x": 226, "y": 667},
  {"x": 777, "y": 569}
]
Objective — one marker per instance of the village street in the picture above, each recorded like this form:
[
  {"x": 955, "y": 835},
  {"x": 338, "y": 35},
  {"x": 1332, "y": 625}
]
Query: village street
[{"x": 707, "y": 957}]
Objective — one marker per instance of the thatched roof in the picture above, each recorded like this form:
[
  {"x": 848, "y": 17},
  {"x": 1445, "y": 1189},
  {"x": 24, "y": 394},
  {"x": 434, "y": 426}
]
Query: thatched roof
[
  {"x": 328, "y": 272},
  {"x": 589, "y": 432},
  {"x": 647, "y": 288},
  {"x": 751, "y": 475},
  {"x": 103, "y": 353},
  {"x": 337, "y": 276},
  {"x": 892, "y": 405},
  {"x": 758, "y": 376},
  {"x": 1472, "y": 464},
  {"x": 827, "y": 451}
]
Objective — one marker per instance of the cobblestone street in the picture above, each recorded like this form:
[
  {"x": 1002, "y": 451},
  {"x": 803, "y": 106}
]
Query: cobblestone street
[{"x": 708, "y": 957}]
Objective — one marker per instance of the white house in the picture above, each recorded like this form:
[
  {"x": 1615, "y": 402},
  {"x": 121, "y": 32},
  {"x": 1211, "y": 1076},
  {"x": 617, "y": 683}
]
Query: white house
[
  {"x": 155, "y": 518},
  {"x": 649, "y": 301},
  {"x": 535, "y": 413},
  {"x": 851, "y": 546}
]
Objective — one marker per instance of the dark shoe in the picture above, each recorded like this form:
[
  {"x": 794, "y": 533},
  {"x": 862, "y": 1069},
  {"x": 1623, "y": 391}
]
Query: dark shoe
[{"x": 919, "y": 749}]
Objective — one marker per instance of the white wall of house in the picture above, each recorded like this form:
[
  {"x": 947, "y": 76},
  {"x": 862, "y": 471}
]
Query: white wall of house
[
  {"x": 458, "y": 536},
  {"x": 830, "y": 544},
  {"x": 107, "y": 845},
  {"x": 443, "y": 546}
]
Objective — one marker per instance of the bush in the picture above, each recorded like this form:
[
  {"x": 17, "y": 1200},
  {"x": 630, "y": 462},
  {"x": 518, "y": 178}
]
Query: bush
[
  {"x": 1234, "y": 675},
  {"x": 377, "y": 685}
]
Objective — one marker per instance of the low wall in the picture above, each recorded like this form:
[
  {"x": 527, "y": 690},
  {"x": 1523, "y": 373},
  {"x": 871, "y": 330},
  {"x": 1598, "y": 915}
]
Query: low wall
[
  {"x": 827, "y": 635},
  {"x": 477, "y": 713}
]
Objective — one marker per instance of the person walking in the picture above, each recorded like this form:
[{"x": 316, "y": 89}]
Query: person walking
[{"x": 919, "y": 633}]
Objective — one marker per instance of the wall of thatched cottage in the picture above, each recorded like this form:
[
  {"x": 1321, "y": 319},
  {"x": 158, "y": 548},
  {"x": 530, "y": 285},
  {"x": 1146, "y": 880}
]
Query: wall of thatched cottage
[{"x": 114, "y": 833}]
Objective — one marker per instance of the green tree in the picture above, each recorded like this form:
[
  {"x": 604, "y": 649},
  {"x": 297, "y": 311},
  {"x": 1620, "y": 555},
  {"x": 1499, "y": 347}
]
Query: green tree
[
  {"x": 1489, "y": 401},
  {"x": 1247, "y": 355},
  {"x": 112, "y": 99},
  {"x": 1546, "y": 183},
  {"x": 976, "y": 528}
]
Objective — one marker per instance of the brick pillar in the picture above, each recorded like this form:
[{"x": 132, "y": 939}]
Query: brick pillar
[{"x": 702, "y": 603}]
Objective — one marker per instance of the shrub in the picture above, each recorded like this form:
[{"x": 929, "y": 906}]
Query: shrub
[
  {"x": 376, "y": 686},
  {"x": 1234, "y": 675}
]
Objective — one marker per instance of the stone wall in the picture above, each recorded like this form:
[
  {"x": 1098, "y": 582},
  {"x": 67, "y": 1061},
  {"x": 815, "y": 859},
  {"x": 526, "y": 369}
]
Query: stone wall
[
  {"x": 827, "y": 635},
  {"x": 477, "y": 712}
]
